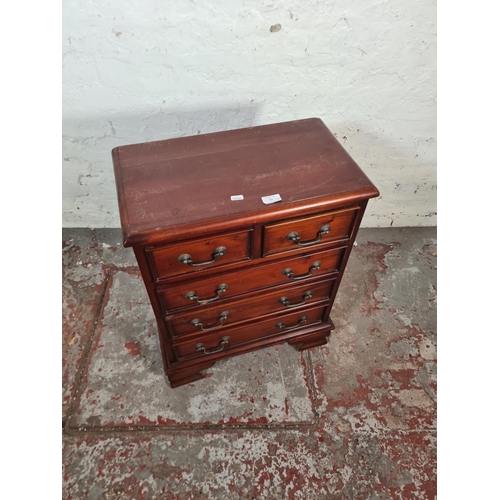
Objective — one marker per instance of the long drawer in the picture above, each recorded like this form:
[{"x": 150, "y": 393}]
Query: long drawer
[
  {"x": 220, "y": 341},
  {"x": 221, "y": 316},
  {"x": 224, "y": 285}
]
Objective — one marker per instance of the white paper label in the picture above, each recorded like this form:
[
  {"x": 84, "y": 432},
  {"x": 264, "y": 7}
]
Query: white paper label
[
  {"x": 237, "y": 197},
  {"x": 271, "y": 199}
]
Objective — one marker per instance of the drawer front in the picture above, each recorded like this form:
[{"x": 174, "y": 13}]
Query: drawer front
[
  {"x": 223, "y": 341},
  {"x": 308, "y": 232},
  {"x": 216, "y": 288},
  {"x": 196, "y": 255},
  {"x": 219, "y": 317}
]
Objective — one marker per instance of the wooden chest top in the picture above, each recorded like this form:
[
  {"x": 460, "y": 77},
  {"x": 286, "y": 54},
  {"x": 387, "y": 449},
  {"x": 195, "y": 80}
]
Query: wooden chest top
[{"x": 168, "y": 189}]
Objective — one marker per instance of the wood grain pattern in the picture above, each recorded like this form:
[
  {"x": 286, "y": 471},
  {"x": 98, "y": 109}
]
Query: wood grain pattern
[
  {"x": 174, "y": 199},
  {"x": 246, "y": 309},
  {"x": 276, "y": 240},
  {"x": 252, "y": 278},
  {"x": 187, "y": 181},
  {"x": 246, "y": 333},
  {"x": 165, "y": 259}
]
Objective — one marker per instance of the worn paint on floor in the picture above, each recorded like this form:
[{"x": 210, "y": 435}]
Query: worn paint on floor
[
  {"x": 380, "y": 371},
  {"x": 125, "y": 382},
  {"x": 82, "y": 288},
  {"x": 353, "y": 419},
  {"x": 249, "y": 464}
]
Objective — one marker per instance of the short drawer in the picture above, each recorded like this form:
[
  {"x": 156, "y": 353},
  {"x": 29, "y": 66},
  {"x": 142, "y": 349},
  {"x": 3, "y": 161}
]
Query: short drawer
[
  {"x": 196, "y": 255},
  {"x": 306, "y": 232},
  {"x": 205, "y": 320},
  {"x": 224, "y": 341},
  {"x": 213, "y": 289}
]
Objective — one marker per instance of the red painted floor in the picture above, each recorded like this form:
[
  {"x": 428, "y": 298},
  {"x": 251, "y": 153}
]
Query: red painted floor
[{"x": 355, "y": 419}]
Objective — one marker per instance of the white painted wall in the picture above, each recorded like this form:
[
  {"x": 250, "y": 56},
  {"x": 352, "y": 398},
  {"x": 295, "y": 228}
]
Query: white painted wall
[{"x": 144, "y": 70}]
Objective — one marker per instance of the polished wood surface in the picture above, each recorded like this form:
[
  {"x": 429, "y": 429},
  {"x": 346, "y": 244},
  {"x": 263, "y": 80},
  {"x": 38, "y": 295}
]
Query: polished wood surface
[
  {"x": 308, "y": 230},
  {"x": 252, "y": 278},
  {"x": 165, "y": 259},
  {"x": 187, "y": 181},
  {"x": 293, "y": 321},
  {"x": 247, "y": 309},
  {"x": 228, "y": 277}
]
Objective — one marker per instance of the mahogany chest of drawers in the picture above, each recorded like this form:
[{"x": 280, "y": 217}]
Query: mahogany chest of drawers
[{"x": 228, "y": 270}]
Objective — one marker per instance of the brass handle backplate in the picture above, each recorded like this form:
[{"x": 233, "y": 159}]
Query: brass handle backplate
[
  {"x": 222, "y": 316},
  {"x": 282, "y": 325},
  {"x": 185, "y": 258},
  {"x": 220, "y": 289},
  {"x": 223, "y": 342},
  {"x": 290, "y": 274},
  {"x": 287, "y": 303},
  {"x": 294, "y": 236}
]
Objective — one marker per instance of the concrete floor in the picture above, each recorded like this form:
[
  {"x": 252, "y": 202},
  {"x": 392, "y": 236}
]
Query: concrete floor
[{"x": 355, "y": 419}]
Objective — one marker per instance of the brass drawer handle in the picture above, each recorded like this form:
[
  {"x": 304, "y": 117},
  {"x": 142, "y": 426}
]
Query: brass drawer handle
[
  {"x": 294, "y": 236},
  {"x": 220, "y": 289},
  {"x": 282, "y": 326},
  {"x": 222, "y": 316},
  {"x": 185, "y": 258},
  {"x": 289, "y": 273},
  {"x": 223, "y": 342},
  {"x": 287, "y": 303}
]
